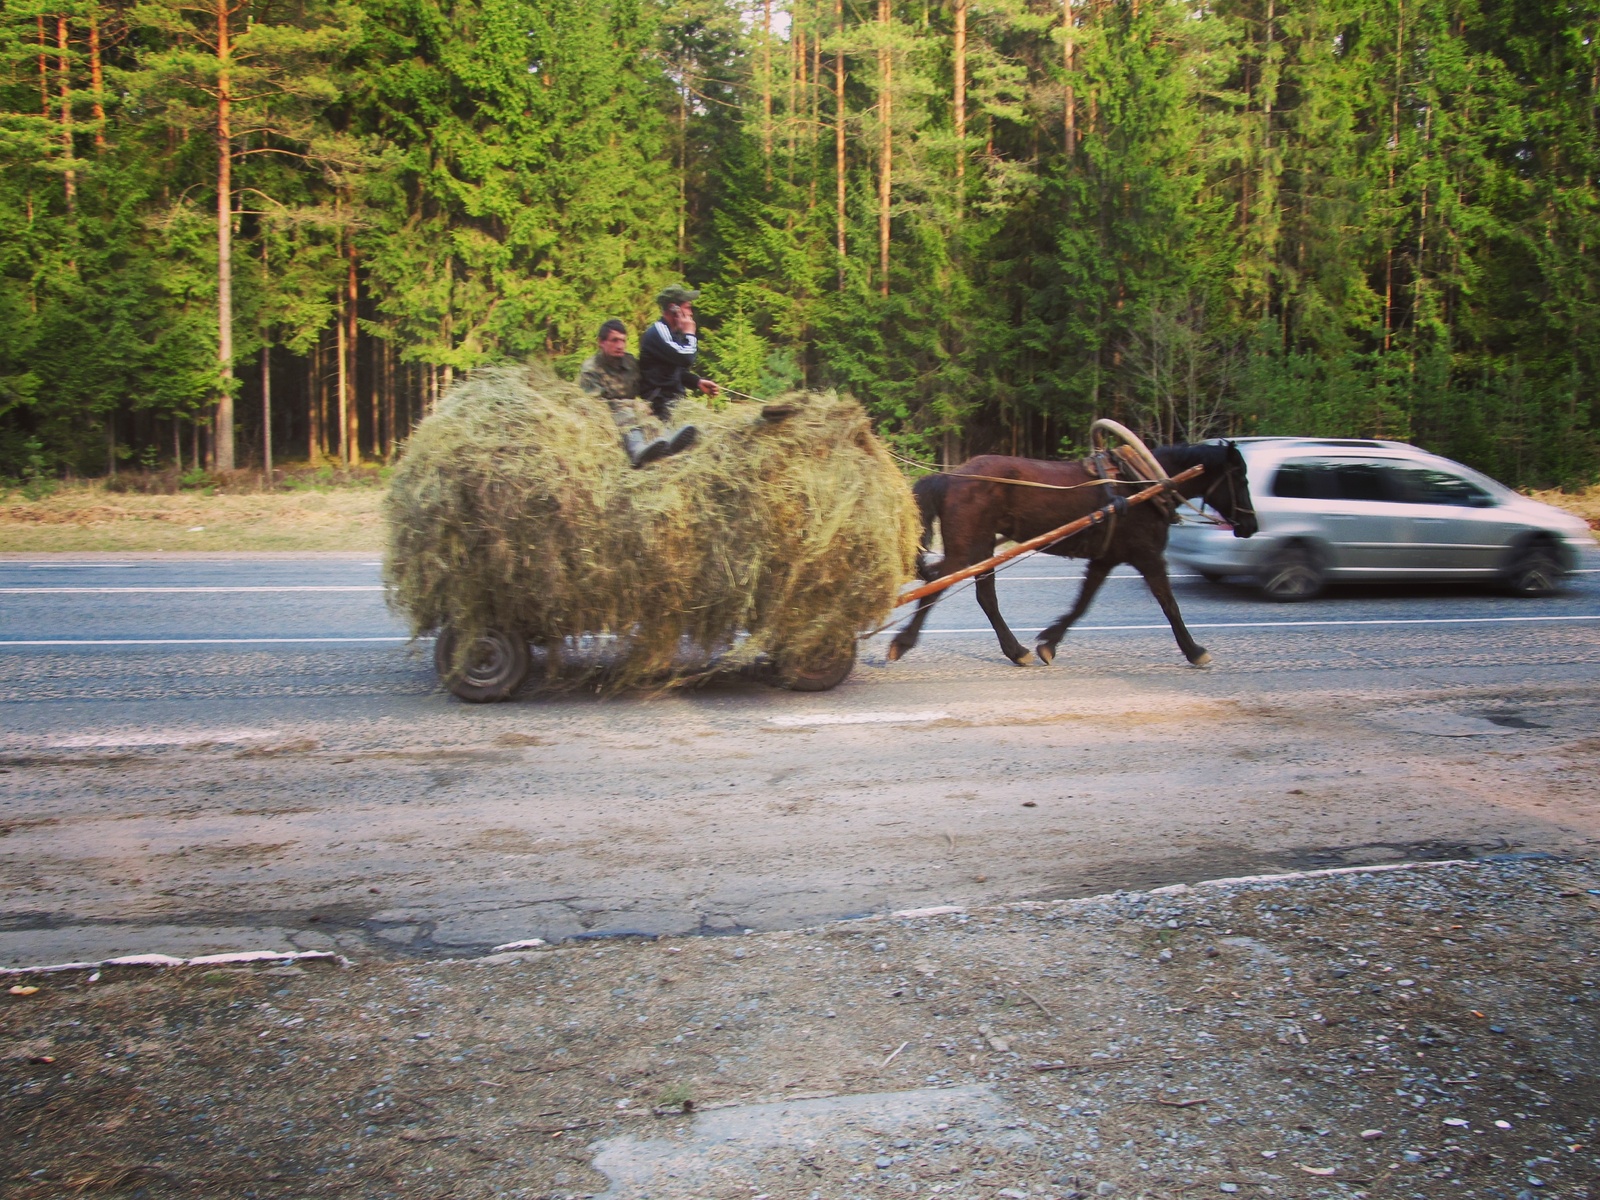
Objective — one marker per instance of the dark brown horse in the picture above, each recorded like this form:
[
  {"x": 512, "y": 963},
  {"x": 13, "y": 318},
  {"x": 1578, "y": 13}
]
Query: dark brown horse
[{"x": 976, "y": 508}]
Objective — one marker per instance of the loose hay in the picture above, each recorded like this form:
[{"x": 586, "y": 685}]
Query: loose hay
[{"x": 515, "y": 509}]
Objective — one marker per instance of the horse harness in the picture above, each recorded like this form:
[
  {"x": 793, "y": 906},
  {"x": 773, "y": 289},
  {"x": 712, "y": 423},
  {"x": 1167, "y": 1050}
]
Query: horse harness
[{"x": 1119, "y": 466}]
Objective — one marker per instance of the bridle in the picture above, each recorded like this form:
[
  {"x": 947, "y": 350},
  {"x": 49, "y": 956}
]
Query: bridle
[{"x": 1227, "y": 475}]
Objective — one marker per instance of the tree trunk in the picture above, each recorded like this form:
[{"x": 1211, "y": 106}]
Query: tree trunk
[
  {"x": 1069, "y": 52},
  {"x": 389, "y": 434},
  {"x": 960, "y": 101},
  {"x": 97, "y": 80},
  {"x": 683, "y": 170},
  {"x": 64, "y": 76},
  {"x": 886, "y": 142},
  {"x": 766, "y": 85},
  {"x": 44, "y": 71},
  {"x": 838, "y": 138},
  {"x": 352, "y": 429},
  {"x": 314, "y": 435},
  {"x": 266, "y": 413},
  {"x": 343, "y": 385},
  {"x": 1394, "y": 150},
  {"x": 222, "y": 452}
]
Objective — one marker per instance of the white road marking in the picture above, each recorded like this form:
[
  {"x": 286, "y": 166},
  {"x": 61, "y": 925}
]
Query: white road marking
[
  {"x": 102, "y": 591},
  {"x": 166, "y": 737},
  {"x": 298, "y": 641},
  {"x": 866, "y": 718},
  {"x": 260, "y": 641},
  {"x": 1297, "y": 624}
]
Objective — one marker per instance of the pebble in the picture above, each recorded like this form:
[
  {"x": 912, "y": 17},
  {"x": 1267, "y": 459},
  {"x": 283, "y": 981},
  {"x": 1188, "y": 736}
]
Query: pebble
[
  {"x": 882, "y": 1161},
  {"x": 1105, "y": 1188},
  {"x": 1229, "y": 1187},
  {"x": 1369, "y": 1135}
]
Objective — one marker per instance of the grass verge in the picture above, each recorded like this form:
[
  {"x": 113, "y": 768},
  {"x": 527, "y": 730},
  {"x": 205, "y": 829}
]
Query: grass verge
[{"x": 221, "y": 515}]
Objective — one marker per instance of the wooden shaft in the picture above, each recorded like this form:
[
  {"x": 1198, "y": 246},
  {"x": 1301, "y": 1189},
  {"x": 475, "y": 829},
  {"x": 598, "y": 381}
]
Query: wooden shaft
[{"x": 1044, "y": 539}]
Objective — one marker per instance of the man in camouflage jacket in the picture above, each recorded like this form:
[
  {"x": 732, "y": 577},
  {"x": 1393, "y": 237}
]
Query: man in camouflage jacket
[{"x": 612, "y": 374}]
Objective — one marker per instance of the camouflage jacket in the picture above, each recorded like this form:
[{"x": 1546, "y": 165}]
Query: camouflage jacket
[{"x": 610, "y": 378}]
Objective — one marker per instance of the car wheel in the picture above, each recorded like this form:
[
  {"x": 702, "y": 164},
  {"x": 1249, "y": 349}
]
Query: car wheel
[
  {"x": 1292, "y": 575},
  {"x": 496, "y": 665},
  {"x": 1536, "y": 571}
]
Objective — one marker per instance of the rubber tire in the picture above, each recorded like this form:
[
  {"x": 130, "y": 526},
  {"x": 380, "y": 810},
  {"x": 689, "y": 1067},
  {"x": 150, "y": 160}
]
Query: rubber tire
[
  {"x": 819, "y": 674},
  {"x": 496, "y": 668},
  {"x": 1535, "y": 572},
  {"x": 1292, "y": 576}
]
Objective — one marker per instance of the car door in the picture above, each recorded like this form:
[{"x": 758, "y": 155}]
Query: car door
[
  {"x": 1367, "y": 526},
  {"x": 1454, "y": 530}
]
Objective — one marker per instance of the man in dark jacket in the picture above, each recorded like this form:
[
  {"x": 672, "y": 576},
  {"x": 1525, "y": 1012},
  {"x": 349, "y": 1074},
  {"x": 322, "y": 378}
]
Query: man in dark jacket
[{"x": 666, "y": 361}]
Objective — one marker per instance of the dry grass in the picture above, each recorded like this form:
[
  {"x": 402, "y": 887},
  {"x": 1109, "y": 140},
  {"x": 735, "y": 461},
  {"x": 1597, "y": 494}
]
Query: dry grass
[
  {"x": 88, "y": 517},
  {"x": 1585, "y": 503},
  {"x": 515, "y": 509}
]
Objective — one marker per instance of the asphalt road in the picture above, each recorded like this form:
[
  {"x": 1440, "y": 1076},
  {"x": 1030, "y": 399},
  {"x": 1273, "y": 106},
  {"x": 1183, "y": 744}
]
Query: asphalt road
[{"x": 211, "y": 752}]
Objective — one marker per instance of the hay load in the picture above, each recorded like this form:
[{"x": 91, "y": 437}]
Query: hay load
[{"x": 515, "y": 517}]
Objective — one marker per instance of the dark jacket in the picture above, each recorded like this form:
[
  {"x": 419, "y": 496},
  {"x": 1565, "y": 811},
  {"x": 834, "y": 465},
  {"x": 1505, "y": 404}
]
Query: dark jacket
[{"x": 666, "y": 367}]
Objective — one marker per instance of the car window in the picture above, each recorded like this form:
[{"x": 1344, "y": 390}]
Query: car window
[
  {"x": 1362, "y": 481},
  {"x": 1306, "y": 479},
  {"x": 1427, "y": 485}
]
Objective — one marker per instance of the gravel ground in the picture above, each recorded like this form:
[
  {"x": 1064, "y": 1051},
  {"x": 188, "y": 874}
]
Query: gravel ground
[{"x": 1423, "y": 1032}]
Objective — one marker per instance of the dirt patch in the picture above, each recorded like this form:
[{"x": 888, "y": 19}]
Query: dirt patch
[{"x": 1413, "y": 1033}]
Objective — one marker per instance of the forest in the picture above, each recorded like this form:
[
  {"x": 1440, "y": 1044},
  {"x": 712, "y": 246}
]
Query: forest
[{"x": 241, "y": 233}]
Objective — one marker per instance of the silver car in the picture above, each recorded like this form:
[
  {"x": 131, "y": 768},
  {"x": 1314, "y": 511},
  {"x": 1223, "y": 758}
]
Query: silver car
[{"x": 1347, "y": 510}]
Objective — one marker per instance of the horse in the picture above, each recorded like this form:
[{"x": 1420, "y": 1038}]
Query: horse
[{"x": 995, "y": 496}]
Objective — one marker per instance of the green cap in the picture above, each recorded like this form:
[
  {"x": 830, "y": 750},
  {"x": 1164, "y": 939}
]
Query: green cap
[{"x": 677, "y": 294}]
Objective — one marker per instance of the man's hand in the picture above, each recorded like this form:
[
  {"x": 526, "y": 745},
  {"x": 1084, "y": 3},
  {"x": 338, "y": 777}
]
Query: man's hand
[
  {"x": 680, "y": 318},
  {"x": 708, "y": 387}
]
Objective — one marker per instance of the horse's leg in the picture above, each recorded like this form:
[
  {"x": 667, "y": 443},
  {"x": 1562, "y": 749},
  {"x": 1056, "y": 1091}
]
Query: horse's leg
[
  {"x": 1093, "y": 576},
  {"x": 905, "y": 640},
  {"x": 963, "y": 545},
  {"x": 1154, "y": 569},
  {"x": 990, "y": 603}
]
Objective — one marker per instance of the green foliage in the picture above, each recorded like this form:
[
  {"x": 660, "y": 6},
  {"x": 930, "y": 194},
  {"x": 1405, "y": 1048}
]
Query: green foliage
[{"x": 1298, "y": 216}]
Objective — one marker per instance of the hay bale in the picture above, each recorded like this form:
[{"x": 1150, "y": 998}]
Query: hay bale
[{"x": 514, "y": 508}]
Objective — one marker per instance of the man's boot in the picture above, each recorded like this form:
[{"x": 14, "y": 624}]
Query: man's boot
[
  {"x": 641, "y": 452},
  {"x": 681, "y": 439}
]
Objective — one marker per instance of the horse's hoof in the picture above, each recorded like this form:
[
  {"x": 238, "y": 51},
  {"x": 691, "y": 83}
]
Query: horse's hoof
[
  {"x": 1025, "y": 659},
  {"x": 1203, "y": 661},
  {"x": 896, "y": 652},
  {"x": 1046, "y": 653}
]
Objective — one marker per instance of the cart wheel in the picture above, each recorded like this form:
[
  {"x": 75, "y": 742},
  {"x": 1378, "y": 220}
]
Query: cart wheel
[
  {"x": 822, "y": 672},
  {"x": 496, "y": 666}
]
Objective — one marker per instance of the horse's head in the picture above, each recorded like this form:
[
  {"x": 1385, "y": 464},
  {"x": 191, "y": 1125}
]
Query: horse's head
[{"x": 1230, "y": 494}]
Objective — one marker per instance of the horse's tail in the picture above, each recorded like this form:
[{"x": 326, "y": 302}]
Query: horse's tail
[{"x": 930, "y": 492}]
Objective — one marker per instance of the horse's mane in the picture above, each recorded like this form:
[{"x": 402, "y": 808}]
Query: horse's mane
[{"x": 1213, "y": 456}]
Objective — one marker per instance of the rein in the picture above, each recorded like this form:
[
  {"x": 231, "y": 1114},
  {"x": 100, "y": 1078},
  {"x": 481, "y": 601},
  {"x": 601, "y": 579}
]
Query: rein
[{"x": 1053, "y": 487}]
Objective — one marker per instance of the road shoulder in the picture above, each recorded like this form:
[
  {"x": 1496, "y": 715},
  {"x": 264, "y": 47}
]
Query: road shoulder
[{"x": 1312, "y": 1036}]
